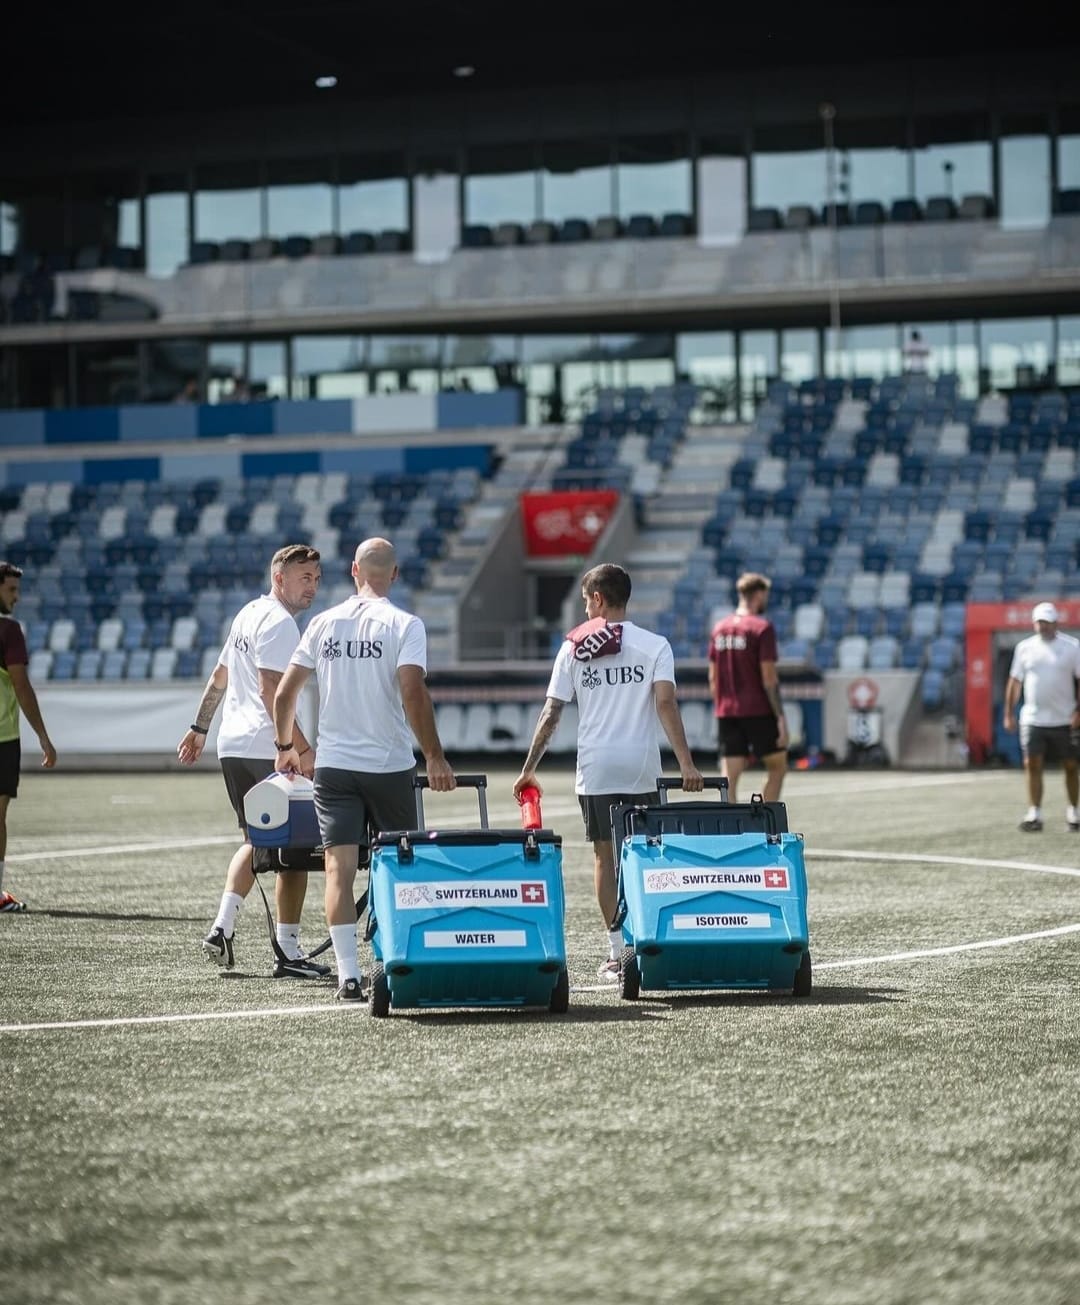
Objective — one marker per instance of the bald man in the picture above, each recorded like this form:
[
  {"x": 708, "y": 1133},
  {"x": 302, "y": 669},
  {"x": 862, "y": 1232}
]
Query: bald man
[{"x": 370, "y": 660}]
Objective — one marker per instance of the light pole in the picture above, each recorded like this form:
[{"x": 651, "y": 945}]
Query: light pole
[{"x": 828, "y": 114}]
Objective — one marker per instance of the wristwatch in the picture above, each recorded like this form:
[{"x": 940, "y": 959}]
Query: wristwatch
[{"x": 283, "y": 747}]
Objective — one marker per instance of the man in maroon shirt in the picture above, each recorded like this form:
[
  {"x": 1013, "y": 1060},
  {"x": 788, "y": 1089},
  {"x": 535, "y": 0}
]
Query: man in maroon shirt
[
  {"x": 746, "y": 689},
  {"x": 16, "y": 694}
]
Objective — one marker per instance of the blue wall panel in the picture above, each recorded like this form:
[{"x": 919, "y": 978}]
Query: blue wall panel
[
  {"x": 218, "y": 419},
  {"x": 82, "y": 426},
  {"x": 457, "y": 411},
  {"x": 159, "y": 421},
  {"x": 25, "y": 473},
  {"x": 190, "y": 467},
  {"x": 279, "y": 464},
  {"x": 102, "y": 471},
  {"x": 22, "y": 428},
  {"x": 448, "y": 455},
  {"x": 313, "y": 417},
  {"x": 365, "y": 461}
]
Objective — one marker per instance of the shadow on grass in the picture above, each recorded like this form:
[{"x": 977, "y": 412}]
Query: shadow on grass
[
  {"x": 117, "y": 915},
  {"x": 820, "y": 996},
  {"x": 579, "y": 1013}
]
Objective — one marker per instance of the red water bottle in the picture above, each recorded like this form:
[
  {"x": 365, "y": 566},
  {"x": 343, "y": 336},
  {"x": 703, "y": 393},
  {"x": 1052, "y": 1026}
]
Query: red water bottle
[{"x": 530, "y": 807}]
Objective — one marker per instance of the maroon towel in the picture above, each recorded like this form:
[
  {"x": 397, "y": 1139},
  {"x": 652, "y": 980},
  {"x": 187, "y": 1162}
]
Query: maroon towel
[{"x": 595, "y": 639}]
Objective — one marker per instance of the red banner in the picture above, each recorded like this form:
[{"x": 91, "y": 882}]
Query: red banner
[{"x": 566, "y": 522}]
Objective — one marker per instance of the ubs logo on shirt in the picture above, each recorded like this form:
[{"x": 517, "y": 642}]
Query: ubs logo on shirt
[
  {"x": 354, "y": 648},
  {"x": 730, "y": 643},
  {"x": 242, "y": 643},
  {"x": 593, "y": 677}
]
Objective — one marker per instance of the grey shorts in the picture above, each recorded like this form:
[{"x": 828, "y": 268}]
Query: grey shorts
[
  {"x": 1051, "y": 742},
  {"x": 242, "y": 774},
  {"x": 596, "y": 810},
  {"x": 351, "y": 805}
]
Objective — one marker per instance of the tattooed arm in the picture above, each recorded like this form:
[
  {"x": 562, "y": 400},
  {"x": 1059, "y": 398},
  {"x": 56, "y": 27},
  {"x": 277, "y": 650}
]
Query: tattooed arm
[
  {"x": 190, "y": 747},
  {"x": 546, "y": 725}
]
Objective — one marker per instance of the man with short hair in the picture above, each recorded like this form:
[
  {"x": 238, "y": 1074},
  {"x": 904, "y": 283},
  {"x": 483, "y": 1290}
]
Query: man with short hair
[
  {"x": 745, "y": 689},
  {"x": 370, "y": 661},
  {"x": 1046, "y": 669},
  {"x": 623, "y": 677},
  {"x": 262, "y": 638},
  {"x": 16, "y": 693}
]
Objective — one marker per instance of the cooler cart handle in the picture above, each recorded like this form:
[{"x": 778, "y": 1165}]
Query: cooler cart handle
[
  {"x": 478, "y": 782},
  {"x": 710, "y": 781}
]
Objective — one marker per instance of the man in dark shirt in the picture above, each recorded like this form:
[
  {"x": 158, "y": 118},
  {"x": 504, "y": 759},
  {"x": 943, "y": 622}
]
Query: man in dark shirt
[
  {"x": 16, "y": 694},
  {"x": 746, "y": 689}
]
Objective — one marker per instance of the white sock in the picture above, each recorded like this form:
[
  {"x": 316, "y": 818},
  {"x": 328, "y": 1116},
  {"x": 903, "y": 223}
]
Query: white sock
[
  {"x": 1070, "y": 815},
  {"x": 288, "y": 936},
  {"x": 1034, "y": 813},
  {"x": 227, "y": 913},
  {"x": 344, "y": 940},
  {"x": 1, "y": 876},
  {"x": 615, "y": 943}
]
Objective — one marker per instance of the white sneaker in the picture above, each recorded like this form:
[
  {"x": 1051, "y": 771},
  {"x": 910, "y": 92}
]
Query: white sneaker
[
  {"x": 610, "y": 971},
  {"x": 1072, "y": 820}
]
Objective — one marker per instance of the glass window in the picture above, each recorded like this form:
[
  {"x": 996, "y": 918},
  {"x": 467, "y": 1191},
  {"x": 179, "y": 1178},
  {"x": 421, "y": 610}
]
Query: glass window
[
  {"x": 708, "y": 359},
  {"x": 1068, "y": 149},
  {"x": 227, "y": 372},
  {"x": 104, "y": 211},
  {"x": 267, "y": 369},
  {"x": 436, "y": 207},
  {"x": 578, "y": 181},
  {"x": 721, "y": 184},
  {"x": 404, "y": 363},
  {"x": 228, "y": 202},
  {"x": 329, "y": 366},
  {"x": 874, "y": 163},
  {"x": 1068, "y": 351},
  {"x": 501, "y": 185},
  {"x": 953, "y": 348},
  {"x": 952, "y": 158},
  {"x": 167, "y": 236},
  {"x": 1017, "y": 351},
  {"x": 9, "y": 229},
  {"x": 653, "y": 175},
  {"x": 545, "y": 359},
  {"x": 299, "y": 198},
  {"x": 480, "y": 362},
  {"x": 758, "y": 364},
  {"x": 1024, "y": 154},
  {"x": 788, "y": 166},
  {"x": 872, "y": 351},
  {"x": 173, "y": 371},
  {"x": 373, "y": 194},
  {"x": 799, "y": 355},
  {"x": 38, "y": 219},
  {"x": 106, "y": 374}
]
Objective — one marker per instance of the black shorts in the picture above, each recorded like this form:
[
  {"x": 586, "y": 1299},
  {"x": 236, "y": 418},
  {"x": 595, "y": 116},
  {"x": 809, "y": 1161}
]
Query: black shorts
[
  {"x": 1050, "y": 742},
  {"x": 353, "y": 804},
  {"x": 10, "y": 761},
  {"x": 241, "y": 775},
  {"x": 596, "y": 810},
  {"x": 743, "y": 736}
]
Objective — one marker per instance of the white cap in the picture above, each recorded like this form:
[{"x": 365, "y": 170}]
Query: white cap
[{"x": 1044, "y": 612}]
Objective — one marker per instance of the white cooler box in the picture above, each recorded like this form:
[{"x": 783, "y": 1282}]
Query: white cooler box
[{"x": 280, "y": 812}]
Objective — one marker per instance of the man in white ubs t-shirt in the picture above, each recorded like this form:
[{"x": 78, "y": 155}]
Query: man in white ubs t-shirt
[
  {"x": 1046, "y": 668},
  {"x": 623, "y": 677},
  {"x": 262, "y": 639},
  {"x": 370, "y": 660}
]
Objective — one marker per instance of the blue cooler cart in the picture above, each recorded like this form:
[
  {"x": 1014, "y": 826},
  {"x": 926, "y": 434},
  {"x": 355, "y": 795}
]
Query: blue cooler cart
[
  {"x": 711, "y": 895},
  {"x": 467, "y": 917}
]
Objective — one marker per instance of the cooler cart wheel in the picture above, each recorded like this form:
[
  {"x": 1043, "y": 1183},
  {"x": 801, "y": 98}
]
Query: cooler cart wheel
[
  {"x": 804, "y": 979},
  {"x": 629, "y": 975},
  {"x": 560, "y": 995},
  {"x": 379, "y": 996}
]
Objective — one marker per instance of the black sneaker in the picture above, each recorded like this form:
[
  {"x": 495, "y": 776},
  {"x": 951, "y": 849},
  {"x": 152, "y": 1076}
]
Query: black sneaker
[
  {"x": 352, "y": 990},
  {"x": 219, "y": 949},
  {"x": 1031, "y": 826},
  {"x": 299, "y": 968}
]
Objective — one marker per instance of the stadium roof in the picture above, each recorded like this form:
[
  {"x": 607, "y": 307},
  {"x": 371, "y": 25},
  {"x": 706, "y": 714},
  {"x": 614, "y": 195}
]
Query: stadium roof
[{"x": 112, "y": 61}]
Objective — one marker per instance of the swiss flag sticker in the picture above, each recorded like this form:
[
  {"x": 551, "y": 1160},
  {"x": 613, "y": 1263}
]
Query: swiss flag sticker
[
  {"x": 776, "y": 879},
  {"x": 533, "y": 894}
]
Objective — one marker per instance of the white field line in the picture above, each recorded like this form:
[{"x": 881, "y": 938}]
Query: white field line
[
  {"x": 329, "y": 1008},
  {"x": 948, "y": 951}
]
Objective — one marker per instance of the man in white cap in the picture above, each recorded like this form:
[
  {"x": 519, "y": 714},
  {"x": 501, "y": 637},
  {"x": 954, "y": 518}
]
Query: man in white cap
[{"x": 1046, "y": 668}]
